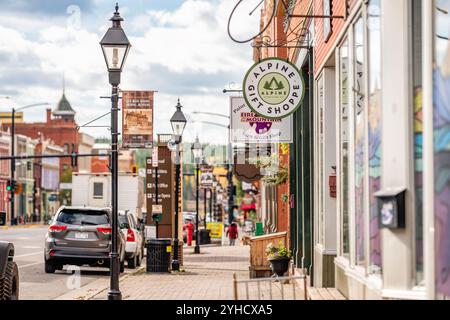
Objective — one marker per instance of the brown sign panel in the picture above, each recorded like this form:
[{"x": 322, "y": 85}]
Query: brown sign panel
[
  {"x": 137, "y": 119},
  {"x": 165, "y": 195},
  {"x": 246, "y": 172}
]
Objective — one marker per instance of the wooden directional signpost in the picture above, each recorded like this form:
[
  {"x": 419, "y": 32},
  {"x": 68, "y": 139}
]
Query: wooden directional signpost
[{"x": 160, "y": 192}]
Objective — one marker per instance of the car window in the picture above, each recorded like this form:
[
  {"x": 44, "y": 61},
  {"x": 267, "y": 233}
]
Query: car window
[
  {"x": 83, "y": 217},
  {"x": 132, "y": 222},
  {"x": 122, "y": 220}
]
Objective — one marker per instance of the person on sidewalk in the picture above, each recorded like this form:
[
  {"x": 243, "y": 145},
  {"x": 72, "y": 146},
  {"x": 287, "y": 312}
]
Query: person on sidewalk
[
  {"x": 232, "y": 233},
  {"x": 189, "y": 232}
]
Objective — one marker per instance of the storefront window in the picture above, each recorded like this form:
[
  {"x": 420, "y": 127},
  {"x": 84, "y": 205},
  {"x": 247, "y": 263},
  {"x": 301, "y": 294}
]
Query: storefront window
[
  {"x": 344, "y": 93},
  {"x": 360, "y": 138},
  {"x": 441, "y": 136},
  {"x": 374, "y": 130},
  {"x": 418, "y": 136}
]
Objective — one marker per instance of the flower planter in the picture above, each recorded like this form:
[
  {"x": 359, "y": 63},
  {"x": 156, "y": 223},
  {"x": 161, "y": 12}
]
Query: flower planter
[{"x": 279, "y": 265}]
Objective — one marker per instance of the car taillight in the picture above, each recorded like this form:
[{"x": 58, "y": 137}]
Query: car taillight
[
  {"x": 130, "y": 236},
  {"x": 57, "y": 228},
  {"x": 104, "y": 230}
]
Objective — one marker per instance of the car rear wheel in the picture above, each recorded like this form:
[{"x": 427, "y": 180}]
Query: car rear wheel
[
  {"x": 132, "y": 262},
  {"x": 49, "y": 267},
  {"x": 9, "y": 285}
]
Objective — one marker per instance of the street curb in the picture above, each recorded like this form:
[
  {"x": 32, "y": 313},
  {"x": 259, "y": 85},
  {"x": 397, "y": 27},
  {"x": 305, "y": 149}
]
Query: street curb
[
  {"x": 32, "y": 226},
  {"x": 87, "y": 292}
]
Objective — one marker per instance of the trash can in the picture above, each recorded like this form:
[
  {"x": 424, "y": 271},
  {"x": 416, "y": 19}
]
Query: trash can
[
  {"x": 2, "y": 218},
  {"x": 259, "y": 229},
  {"x": 158, "y": 255},
  {"x": 205, "y": 236}
]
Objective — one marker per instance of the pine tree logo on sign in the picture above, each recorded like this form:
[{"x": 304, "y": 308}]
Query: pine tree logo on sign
[{"x": 273, "y": 88}]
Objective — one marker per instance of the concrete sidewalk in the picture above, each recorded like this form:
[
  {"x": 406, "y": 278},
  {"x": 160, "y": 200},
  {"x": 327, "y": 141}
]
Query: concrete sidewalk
[{"x": 207, "y": 276}]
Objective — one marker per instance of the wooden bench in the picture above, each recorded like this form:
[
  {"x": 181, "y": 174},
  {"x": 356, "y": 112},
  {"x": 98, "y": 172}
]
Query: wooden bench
[{"x": 259, "y": 264}]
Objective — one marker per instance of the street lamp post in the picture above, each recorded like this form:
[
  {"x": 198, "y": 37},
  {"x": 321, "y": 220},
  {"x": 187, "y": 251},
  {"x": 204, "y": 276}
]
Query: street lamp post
[
  {"x": 178, "y": 122},
  {"x": 115, "y": 46},
  {"x": 197, "y": 151}
]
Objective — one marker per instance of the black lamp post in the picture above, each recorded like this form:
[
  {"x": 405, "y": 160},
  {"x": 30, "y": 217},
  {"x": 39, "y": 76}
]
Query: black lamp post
[
  {"x": 178, "y": 122},
  {"x": 115, "y": 46},
  {"x": 197, "y": 151}
]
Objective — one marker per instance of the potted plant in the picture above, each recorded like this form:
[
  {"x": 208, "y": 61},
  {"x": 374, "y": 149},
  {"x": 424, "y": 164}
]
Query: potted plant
[{"x": 279, "y": 258}]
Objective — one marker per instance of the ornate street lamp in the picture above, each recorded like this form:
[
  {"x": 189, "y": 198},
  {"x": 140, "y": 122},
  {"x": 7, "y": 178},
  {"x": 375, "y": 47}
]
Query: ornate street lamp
[
  {"x": 178, "y": 122},
  {"x": 115, "y": 46},
  {"x": 197, "y": 152}
]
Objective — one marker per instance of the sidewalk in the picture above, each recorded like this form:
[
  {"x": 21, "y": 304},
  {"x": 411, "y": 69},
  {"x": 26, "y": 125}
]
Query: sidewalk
[
  {"x": 23, "y": 226},
  {"x": 207, "y": 276}
]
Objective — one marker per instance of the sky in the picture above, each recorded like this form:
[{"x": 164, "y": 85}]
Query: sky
[{"x": 180, "y": 48}]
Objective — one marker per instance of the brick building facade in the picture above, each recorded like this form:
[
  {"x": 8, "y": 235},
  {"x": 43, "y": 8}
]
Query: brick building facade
[{"x": 60, "y": 127}]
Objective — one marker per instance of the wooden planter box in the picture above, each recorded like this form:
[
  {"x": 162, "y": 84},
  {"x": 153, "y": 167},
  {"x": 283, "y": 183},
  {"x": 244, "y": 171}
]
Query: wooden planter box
[{"x": 259, "y": 265}]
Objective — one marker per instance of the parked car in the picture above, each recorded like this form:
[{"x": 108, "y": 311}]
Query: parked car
[
  {"x": 81, "y": 236},
  {"x": 9, "y": 273},
  {"x": 133, "y": 230}
]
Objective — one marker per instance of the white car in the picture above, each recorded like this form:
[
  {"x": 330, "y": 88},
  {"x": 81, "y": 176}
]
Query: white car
[{"x": 134, "y": 248}]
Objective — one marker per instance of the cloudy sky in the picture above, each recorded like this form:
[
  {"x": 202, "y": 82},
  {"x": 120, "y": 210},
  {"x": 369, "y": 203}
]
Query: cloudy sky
[{"x": 180, "y": 48}]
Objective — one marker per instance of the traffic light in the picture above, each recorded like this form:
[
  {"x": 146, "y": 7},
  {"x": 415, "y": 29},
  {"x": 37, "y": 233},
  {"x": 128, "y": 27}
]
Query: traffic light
[
  {"x": 134, "y": 169},
  {"x": 11, "y": 186},
  {"x": 74, "y": 160}
]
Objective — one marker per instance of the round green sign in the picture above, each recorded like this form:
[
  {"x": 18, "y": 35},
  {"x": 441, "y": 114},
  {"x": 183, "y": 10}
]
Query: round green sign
[{"x": 273, "y": 88}]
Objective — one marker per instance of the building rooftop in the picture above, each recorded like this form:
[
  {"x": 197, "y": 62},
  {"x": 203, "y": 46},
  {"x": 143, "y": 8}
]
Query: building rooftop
[{"x": 64, "y": 108}]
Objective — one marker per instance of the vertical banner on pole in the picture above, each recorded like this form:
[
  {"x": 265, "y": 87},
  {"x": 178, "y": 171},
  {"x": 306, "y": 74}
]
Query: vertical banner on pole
[{"x": 137, "y": 119}]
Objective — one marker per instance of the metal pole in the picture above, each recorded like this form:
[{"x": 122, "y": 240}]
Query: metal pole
[
  {"x": 210, "y": 205},
  {"x": 13, "y": 165},
  {"x": 114, "y": 292},
  {"x": 175, "y": 262},
  {"x": 156, "y": 194},
  {"x": 230, "y": 179},
  {"x": 197, "y": 238},
  {"x": 205, "y": 209}
]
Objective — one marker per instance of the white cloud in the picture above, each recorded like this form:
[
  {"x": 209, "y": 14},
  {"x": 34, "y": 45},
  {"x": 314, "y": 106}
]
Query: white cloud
[{"x": 188, "y": 47}]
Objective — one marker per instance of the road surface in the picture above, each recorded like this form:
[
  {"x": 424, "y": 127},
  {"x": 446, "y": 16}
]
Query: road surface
[{"x": 35, "y": 284}]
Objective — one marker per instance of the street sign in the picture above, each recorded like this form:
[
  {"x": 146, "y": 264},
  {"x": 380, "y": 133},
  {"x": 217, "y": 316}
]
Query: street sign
[
  {"x": 216, "y": 229},
  {"x": 206, "y": 180},
  {"x": 157, "y": 209},
  {"x": 155, "y": 157}
]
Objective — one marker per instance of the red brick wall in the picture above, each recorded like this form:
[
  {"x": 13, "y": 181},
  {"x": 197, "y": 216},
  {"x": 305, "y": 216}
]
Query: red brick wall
[
  {"x": 58, "y": 130},
  {"x": 322, "y": 48}
]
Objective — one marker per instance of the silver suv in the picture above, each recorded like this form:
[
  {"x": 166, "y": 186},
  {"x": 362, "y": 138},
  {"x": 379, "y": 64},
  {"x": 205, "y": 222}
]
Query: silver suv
[{"x": 80, "y": 236}]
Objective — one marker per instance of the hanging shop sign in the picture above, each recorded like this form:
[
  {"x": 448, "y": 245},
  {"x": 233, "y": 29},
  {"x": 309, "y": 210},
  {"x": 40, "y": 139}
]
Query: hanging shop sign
[
  {"x": 249, "y": 127},
  {"x": 245, "y": 171},
  {"x": 137, "y": 119},
  {"x": 273, "y": 88},
  {"x": 206, "y": 180}
]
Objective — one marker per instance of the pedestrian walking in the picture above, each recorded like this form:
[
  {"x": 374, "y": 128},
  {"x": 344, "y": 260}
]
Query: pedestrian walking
[{"x": 232, "y": 233}]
